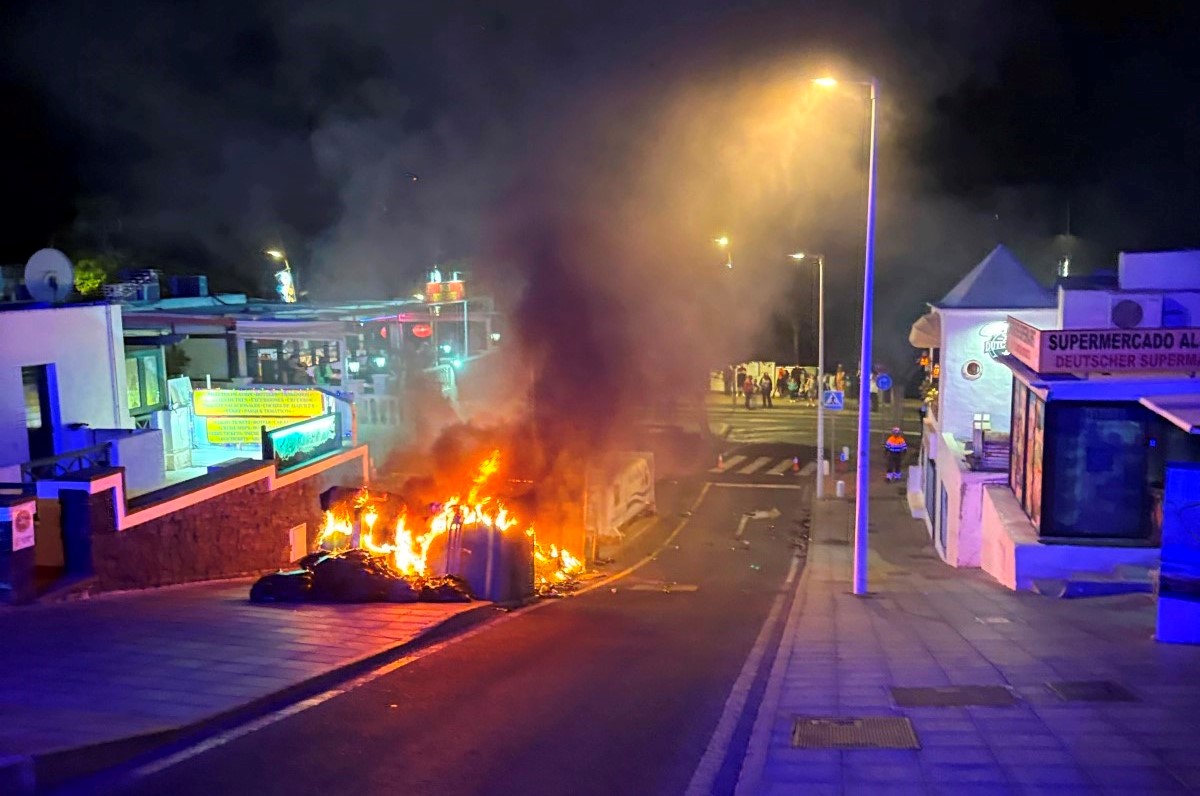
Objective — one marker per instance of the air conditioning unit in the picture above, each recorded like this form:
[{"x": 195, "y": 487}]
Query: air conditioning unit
[
  {"x": 1134, "y": 311},
  {"x": 126, "y": 292}
]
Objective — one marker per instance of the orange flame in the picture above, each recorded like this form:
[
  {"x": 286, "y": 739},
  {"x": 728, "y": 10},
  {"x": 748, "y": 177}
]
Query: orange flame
[{"x": 409, "y": 548}]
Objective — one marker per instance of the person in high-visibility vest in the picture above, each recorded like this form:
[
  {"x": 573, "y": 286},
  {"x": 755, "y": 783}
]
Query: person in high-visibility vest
[{"x": 896, "y": 446}]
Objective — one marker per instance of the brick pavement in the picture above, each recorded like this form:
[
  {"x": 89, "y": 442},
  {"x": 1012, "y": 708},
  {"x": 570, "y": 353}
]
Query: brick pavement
[
  {"x": 928, "y": 624},
  {"x": 121, "y": 665}
]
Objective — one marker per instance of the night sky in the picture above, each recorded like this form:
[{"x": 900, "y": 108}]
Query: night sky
[{"x": 372, "y": 139}]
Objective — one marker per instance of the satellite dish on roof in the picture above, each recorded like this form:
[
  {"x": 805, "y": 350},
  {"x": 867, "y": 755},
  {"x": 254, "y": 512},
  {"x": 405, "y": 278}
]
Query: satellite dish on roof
[{"x": 49, "y": 276}]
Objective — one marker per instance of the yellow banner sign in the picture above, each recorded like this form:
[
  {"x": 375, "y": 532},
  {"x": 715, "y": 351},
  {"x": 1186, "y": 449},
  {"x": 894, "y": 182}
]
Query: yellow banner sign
[
  {"x": 242, "y": 430},
  {"x": 259, "y": 403}
]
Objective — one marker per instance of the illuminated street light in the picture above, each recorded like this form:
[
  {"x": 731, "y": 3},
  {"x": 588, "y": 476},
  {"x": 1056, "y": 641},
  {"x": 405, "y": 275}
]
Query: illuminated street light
[
  {"x": 419, "y": 296},
  {"x": 862, "y": 475},
  {"x": 723, "y": 243},
  {"x": 285, "y": 282},
  {"x": 820, "y": 259}
]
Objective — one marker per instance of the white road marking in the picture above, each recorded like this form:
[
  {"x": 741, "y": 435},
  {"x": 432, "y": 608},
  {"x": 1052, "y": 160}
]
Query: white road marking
[
  {"x": 709, "y": 766},
  {"x": 757, "y": 486},
  {"x": 730, "y": 462},
  {"x": 780, "y": 468},
  {"x": 665, "y": 587},
  {"x": 808, "y": 469},
  {"x": 792, "y": 571},
  {"x": 750, "y": 776},
  {"x": 755, "y": 465},
  {"x": 757, "y": 515}
]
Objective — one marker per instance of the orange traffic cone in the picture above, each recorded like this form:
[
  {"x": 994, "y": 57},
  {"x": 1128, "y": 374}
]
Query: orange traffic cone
[
  {"x": 795, "y": 464},
  {"x": 720, "y": 461}
]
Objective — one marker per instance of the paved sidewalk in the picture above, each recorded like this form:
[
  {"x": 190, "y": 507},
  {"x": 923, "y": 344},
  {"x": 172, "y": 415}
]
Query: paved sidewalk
[
  {"x": 121, "y": 665},
  {"x": 931, "y": 625}
]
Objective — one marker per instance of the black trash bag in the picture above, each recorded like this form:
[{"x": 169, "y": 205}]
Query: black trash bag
[
  {"x": 339, "y": 496},
  {"x": 348, "y": 579},
  {"x": 282, "y": 587},
  {"x": 311, "y": 560},
  {"x": 445, "y": 589},
  {"x": 358, "y": 554},
  {"x": 403, "y": 590}
]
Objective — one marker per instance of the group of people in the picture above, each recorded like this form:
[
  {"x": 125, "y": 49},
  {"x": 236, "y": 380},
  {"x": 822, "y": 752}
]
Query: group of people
[{"x": 797, "y": 384}]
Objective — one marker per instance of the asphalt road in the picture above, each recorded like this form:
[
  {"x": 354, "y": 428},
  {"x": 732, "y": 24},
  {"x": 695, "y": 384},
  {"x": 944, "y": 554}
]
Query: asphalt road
[{"x": 616, "y": 691}]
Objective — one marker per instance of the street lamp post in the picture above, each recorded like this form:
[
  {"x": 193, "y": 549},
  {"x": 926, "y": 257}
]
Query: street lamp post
[
  {"x": 286, "y": 284},
  {"x": 820, "y": 366},
  {"x": 862, "y": 471}
]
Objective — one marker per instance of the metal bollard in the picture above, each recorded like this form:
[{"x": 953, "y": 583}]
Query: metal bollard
[{"x": 841, "y": 489}]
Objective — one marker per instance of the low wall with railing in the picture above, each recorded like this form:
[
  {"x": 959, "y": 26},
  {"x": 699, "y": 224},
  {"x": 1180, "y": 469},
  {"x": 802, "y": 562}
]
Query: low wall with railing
[
  {"x": 245, "y": 518},
  {"x": 139, "y": 451}
]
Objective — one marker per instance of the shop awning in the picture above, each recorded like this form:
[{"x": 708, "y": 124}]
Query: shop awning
[
  {"x": 294, "y": 330},
  {"x": 1181, "y": 410},
  {"x": 926, "y": 332}
]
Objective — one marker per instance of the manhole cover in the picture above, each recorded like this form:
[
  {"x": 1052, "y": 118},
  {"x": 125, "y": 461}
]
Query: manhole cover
[
  {"x": 954, "y": 696},
  {"x": 1091, "y": 691},
  {"x": 868, "y": 732}
]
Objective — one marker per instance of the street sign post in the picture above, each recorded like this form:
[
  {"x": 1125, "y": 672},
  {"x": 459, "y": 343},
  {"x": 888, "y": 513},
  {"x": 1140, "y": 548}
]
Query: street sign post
[
  {"x": 884, "y": 382},
  {"x": 834, "y": 400}
]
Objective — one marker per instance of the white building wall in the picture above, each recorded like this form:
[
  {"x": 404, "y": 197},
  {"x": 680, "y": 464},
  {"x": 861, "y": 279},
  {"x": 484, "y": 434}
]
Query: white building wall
[
  {"x": 965, "y": 335},
  {"x": 84, "y": 343},
  {"x": 1178, "y": 270},
  {"x": 207, "y": 357}
]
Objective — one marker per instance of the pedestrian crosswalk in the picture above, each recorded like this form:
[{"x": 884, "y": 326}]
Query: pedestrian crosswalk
[
  {"x": 780, "y": 468},
  {"x": 755, "y": 465},
  {"x": 742, "y": 466}
]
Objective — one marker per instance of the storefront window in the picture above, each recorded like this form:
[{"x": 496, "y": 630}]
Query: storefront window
[
  {"x": 1016, "y": 474},
  {"x": 1033, "y": 460},
  {"x": 133, "y": 384},
  {"x": 144, "y": 381},
  {"x": 152, "y": 381},
  {"x": 1096, "y": 472}
]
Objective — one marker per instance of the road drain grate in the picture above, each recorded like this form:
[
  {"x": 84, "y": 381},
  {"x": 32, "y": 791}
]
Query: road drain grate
[
  {"x": 867, "y": 732},
  {"x": 1091, "y": 691},
  {"x": 954, "y": 696}
]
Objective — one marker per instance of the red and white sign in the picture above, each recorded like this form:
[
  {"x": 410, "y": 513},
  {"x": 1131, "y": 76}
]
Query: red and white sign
[
  {"x": 1104, "y": 350},
  {"x": 1023, "y": 342},
  {"x": 422, "y": 330},
  {"x": 441, "y": 292},
  {"x": 22, "y": 529}
]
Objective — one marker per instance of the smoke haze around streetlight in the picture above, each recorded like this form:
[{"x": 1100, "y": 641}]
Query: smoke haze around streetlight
[{"x": 582, "y": 155}]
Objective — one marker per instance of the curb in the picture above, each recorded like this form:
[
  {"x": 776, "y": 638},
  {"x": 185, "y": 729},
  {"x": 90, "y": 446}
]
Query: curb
[
  {"x": 50, "y": 771},
  {"x": 758, "y": 746},
  {"x": 71, "y": 770}
]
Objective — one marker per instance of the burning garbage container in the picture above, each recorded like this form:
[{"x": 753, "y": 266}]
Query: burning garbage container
[
  {"x": 471, "y": 538},
  {"x": 497, "y": 565}
]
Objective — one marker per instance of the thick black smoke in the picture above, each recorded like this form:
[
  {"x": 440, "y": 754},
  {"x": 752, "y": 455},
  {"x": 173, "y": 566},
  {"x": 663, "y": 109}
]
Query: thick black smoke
[{"x": 590, "y": 151}]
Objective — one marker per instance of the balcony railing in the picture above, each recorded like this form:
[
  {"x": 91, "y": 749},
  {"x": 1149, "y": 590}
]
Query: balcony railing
[{"x": 76, "y": 461}]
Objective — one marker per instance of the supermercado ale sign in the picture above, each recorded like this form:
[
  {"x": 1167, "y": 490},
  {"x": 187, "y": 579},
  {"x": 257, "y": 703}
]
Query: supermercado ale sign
[{"x": 1104, "y": 350}]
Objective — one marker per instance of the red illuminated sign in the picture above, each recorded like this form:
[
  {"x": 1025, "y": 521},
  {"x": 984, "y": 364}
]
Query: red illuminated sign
[
  {"x": 422, "y": 330},
  {"x": 439, "y": 292}
]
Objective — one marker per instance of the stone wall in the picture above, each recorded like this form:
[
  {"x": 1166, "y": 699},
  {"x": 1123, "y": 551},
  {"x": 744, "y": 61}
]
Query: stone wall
[{"x": 242, "y": 532}]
